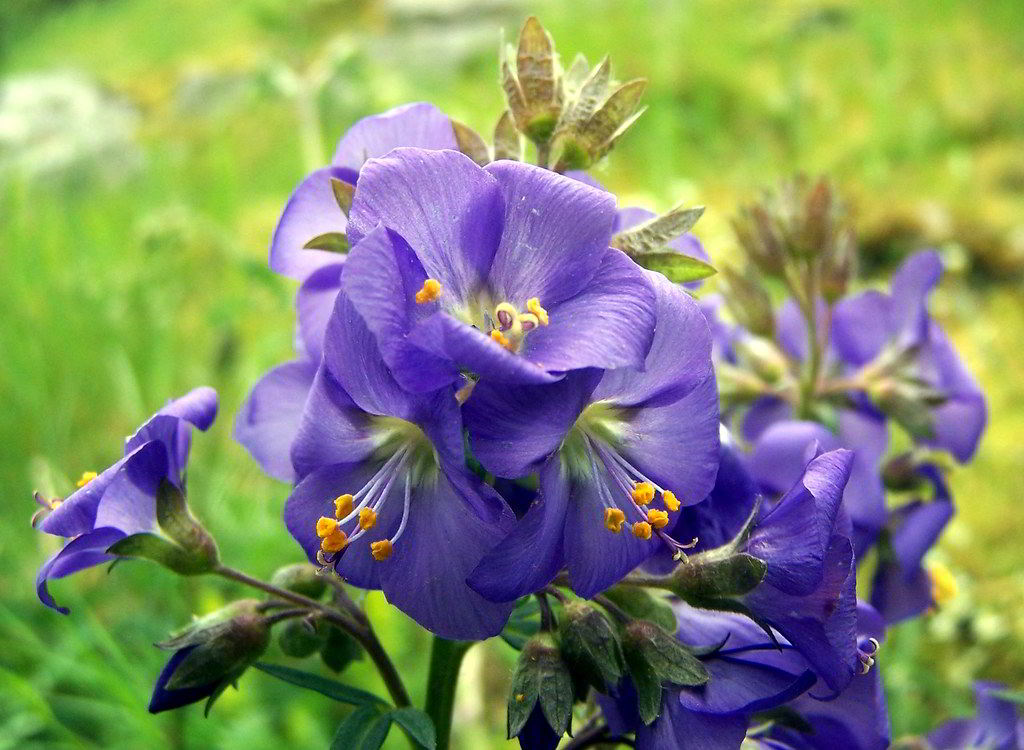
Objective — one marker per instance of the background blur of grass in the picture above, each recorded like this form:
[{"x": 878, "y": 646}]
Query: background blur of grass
[{"x": 125, "y": 284}]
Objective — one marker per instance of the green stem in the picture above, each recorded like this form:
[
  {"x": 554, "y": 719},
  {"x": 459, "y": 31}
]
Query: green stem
[
  {"x": 358, "y": 626},
  {"x": 445, "y": 661}
]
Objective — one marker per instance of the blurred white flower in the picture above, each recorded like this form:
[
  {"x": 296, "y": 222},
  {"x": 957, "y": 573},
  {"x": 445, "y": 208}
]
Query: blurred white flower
[{"x": 61, "y": 125}]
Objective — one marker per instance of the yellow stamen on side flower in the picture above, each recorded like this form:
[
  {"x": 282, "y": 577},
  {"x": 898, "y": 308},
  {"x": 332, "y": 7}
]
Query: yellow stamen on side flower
[
  {"x": 613, "y": 519},
  {"x": 944, "y": 587},
  {"x": 671, "y": 501},
  {"x": 430, "y": 291},
  {"x": 87, "y": 476},
  {"x": 342, "y": 505},
  {"x": 533, "y": 305},
  {"x": 642, "y": 530},
  {"x": 334, "y": 542},
  {"x": 367, "y": 518},
  {"x": 501, "y": 339},
  {"x": 381, "y": 550},
  {"x": 657, "y": 518},
  {"x": 325, "y": 527},
  {"x": 643, "y": 493}
]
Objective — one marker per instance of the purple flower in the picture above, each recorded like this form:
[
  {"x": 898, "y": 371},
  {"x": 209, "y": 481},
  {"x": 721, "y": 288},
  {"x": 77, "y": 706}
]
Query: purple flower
[
  {"x": 537, "y": 734},
  {"x": 995, "y": 727},
  {"x": 749, "y": 673},
  {"x": 383, "y": 494},
  {"x": 902, "y": 588},
  {"x": 618, "y": 453},
  {"x": 857, "y": 718},
  {"x": 504, "y": 271},
  {"x": 808, "y": 592},
  {"x": 312, "y": 209},
  {"x": 894, "y": 331},
  {"x": 269, "y": 419},
  {"x": 120, "y": 501},
  {"x": 781, "y": 451}
]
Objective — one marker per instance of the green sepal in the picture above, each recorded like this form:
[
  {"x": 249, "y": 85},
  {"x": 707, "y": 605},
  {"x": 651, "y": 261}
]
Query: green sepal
[
  {"x": 676, "y": 267},
  {"x": 590, "y": 645},
  {"x": 541, "y": 677},
  {"x": 668, "y": 658},
  {"x": 523, "y": 623},
  {"x": 333, "y": 242},
  {"x": 700, "y": 579},
  {"x": 155, "y": 548},
  {"x": 301, "y": 638},
  {"x": 339, "y": 649},
  {"x": 647, "y": 684},
  {"x": 471, "y": 143},
  {"x": 507, "y": 143},
  {"x": 642, "y": 605},
  {"x": 344, "y": 192}
]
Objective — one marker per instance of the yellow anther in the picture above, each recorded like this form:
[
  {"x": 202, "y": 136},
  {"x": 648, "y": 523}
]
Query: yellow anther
[
  {"x": 325, "y": 527},
  {"x": 671, "y": 501},
  {"x": 381, "y": 550},
  {"x": 658, "y": 518},
  {"x": 506, "y": 315},
  {"x": 367, "y": 518},
  {"x": 520, "y": 697},
  {"x": 642, "y": 530},
  {"x": 87, "y": 476},
  {"x": 430, "y": 291},
  {"x": 55, "y": 503},
  {"x": 342, "y": 505},
  {"x": 533, "y": 305},
  {"x": 500, "y": 338},
  {"x": 613, "y": 519},
  {"x": 643, "y": 493},
  {"x": 944, "y": 587},
  {"x": 334, "y": 542},
  {"x": 528, "y": 321}
]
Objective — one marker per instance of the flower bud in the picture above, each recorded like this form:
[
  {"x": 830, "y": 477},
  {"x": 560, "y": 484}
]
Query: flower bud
[
  {"x": 209, "y": 654},
  {"x": 541, "y": 679},
  {"x": 590, "y": 646},
  {"x": 300, "y": 578},
  {"x": 301, "y": 638},
  {"x": 748, "y": 302},
  {"x": 655, "y": 657},
  {"x": 764, "y": 357},
  {"x": 711, "y": 576}
]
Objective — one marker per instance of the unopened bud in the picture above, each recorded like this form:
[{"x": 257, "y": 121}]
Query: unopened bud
[
  {"x": 590, "y": 645},
  {"x": 764, "y": 357},
  {"x": 301, "y": 578},
  {"x": 541, "y": 678}
]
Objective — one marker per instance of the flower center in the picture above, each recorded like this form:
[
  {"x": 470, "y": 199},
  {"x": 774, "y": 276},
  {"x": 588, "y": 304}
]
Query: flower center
[
  {"x": 407, "y": 458},
  {"x": 594, "y": 440}
]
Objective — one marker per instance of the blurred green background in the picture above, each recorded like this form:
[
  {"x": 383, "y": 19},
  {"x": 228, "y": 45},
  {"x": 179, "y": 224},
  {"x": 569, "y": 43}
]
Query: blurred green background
[{"x": 147, "y": 146}]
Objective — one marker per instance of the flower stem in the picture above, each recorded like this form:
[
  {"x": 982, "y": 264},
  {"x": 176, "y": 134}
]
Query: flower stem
[
  {"x": 445, "y": 661},
  {"x": 357, "y": 625}
]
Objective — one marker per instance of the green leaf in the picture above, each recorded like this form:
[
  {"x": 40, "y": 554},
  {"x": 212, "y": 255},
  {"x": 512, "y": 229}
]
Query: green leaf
[
  {"x": 376, "y": 733},
  {"x": 333, "y": 690},
  {"x": 334, "y": 242},
  {"x": 417, "y": 725},
  {"x": 677, "y": 267},
  {"x": 355, "y": 729},
  {"x": 148, "y": 546},
  {"x": 643, "y": 605},
  {"x": 523, "y": 624}
]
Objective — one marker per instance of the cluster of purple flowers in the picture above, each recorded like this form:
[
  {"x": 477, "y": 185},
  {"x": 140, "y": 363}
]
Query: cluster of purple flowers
[{"x": 488, "y": 398}]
